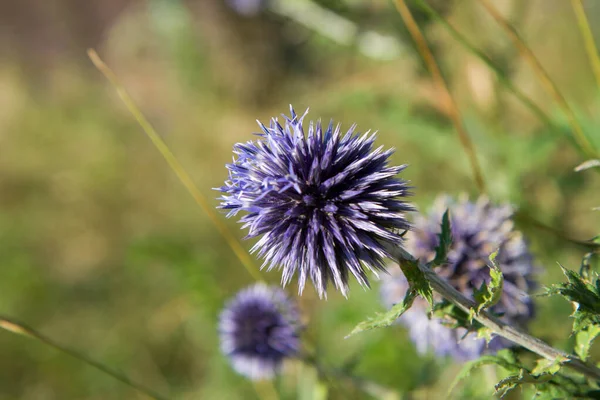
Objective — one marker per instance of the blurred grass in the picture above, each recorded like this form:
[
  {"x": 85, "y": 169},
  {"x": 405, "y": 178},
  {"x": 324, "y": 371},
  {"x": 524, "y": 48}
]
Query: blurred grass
[{"x": 104, "y": 250}]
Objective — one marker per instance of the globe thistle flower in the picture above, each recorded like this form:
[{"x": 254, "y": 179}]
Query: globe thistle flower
[
  {"x": 478, "y": 229},
  {"x": 259, "y": 329},
  {"x": 325, "y": 203}
]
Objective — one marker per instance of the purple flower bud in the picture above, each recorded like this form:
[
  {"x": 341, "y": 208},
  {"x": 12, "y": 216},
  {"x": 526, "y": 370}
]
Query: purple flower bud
[{"x": 259, "y": 329}]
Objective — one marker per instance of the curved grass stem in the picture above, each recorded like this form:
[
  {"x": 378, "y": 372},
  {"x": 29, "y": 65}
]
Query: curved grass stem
[
  {"x": 23, "y": 330},
  {"x": 588, "y": 38},
  {"x": 502, "y": 78},
  {"x": 183, "y": 176},
  {"x": 436, "y": 74},
  {"x": 493, "y": 323},
  {"x": 527, "y": 54}
]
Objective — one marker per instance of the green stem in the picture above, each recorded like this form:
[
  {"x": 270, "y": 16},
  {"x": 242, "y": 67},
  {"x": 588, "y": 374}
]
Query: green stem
[
  {"x": 492, "y": 322},
  {"x": 528, "y": 219},
  {"x": 23, "y": 330},
  {"x": 588, "y": 38},
  {"x": 365, "y": 385},
  {"x": 176, "y": 167}
]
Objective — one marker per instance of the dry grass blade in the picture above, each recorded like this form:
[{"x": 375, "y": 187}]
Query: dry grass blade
[
  {"x": 183, "y": 176},
  {"x": 588, "y": 38},
  {"x": 518, "y": 93},
  {"x": 541, "y": 73},
  {"x": 423, "y": 47},
  {"x": 20, "y": 329}
]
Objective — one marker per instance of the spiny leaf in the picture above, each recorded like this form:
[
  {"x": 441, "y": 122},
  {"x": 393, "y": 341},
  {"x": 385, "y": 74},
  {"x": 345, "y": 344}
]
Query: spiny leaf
[
  {"x": 485, "y": 333},
  {"x": 583, "y": 291},
  {"x": 417, "y": 279},
  {"x": 488, "y": 295},
  {"x": 545, "y": 366},
  {"x": 584, "y": 339},
  {"x": 504, "y": 358},
  {"x": 382, "y": 320},
  {"x": 510, "y": 382},
  {"x": 445, "y": 241}
]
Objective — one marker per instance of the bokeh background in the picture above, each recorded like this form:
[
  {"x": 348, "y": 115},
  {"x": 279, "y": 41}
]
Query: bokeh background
[{"x": 103, "y": 249}]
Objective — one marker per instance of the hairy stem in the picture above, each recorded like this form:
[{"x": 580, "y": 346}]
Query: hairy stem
[{"x": 492, "y": 322}]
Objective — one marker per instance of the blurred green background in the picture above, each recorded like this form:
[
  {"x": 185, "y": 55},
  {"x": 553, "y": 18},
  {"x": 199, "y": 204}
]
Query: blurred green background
[{"x": 103, "y": 249}]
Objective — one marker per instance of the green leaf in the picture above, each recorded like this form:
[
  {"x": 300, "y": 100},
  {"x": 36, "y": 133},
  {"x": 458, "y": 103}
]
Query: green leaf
[
  {"x": 545, "y": 366},
  {"x": 445, "y": 241},
  {"x": 382, "y": 320},
  {"x": 504, "y": 358},
  {"x": 485, "y": 333},
  {"x": 488, "y": 295},
  {"x": 510, "y": 382},
  {"x": 584, "y": 339},
  {"x": 583, "y": 290},
  {"x": 418, "y": 286},
  {"x": 417, "y": 279}
]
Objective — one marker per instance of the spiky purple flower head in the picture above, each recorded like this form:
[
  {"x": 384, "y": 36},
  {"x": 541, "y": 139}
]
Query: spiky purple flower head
[
  {"x": 478, "y": 229},
  {"x": 259, "y": 329},
  {"x": 325, "y": 203}
]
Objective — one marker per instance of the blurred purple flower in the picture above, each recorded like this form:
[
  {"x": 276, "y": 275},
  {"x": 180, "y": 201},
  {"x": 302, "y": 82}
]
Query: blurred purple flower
[
  {"x": 259, "y": 328},
  {"x": 325, "y": 203},
  {"x": 248, "y": 8},
  {"x": 478, "y": 229}
]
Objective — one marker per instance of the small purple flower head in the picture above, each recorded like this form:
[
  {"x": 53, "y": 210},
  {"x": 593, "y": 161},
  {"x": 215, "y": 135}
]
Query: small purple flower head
[
  {"x": 478, "y": 229},
  {"x": 325, "y": 203},
  {"x": 259, "y": 328}
]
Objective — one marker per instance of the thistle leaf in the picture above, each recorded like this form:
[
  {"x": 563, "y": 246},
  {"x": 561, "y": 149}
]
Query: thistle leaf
[
  {"x": 488, "y": 295},
  {"x": 417, "y": 280},
  {"x": 445, "y": 241},
  {"x": 504, "y": 358},
  {"x": 584, "y": 339},
  {"x": 585, "y": 291},
  {"x": 545, "y": 366},
  {"x": 382, "y": 320}
]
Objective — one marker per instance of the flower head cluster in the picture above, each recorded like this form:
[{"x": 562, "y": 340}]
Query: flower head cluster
[
  {"x": 325, "y": 203},
  {"x": 259, "y": 328},
  {"x": 478, "y": 229}
]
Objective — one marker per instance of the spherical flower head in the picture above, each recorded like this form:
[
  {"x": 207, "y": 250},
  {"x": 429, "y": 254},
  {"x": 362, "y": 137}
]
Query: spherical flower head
[
  {"x": 478, "y": 229},
  {"x": 259, "y": 329},
  {"x": 325, "y": 203}
]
